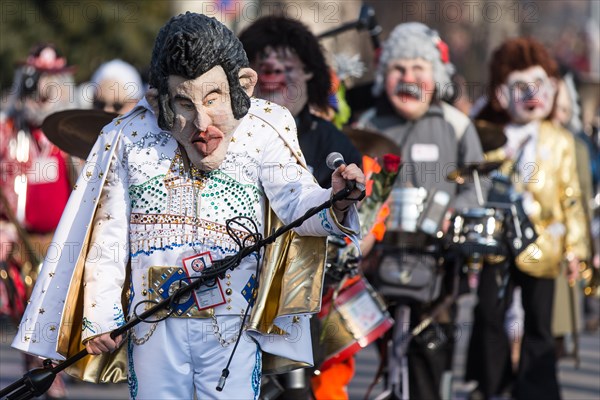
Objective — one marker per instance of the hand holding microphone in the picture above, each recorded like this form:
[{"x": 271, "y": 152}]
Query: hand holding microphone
[{"x": 345, "y": 177}]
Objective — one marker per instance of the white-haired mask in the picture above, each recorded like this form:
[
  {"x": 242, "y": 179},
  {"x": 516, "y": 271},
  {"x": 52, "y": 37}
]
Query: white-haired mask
[{"x": 414, "y": 40}]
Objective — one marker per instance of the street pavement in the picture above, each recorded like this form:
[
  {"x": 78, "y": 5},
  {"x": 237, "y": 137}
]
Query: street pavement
[{"x": 581, "y": 383}]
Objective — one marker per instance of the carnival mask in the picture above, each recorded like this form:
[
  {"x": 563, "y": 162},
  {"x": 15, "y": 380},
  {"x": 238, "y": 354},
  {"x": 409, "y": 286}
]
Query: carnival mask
[
  {"x": 282, "y": 79},
  {"x": 204, "y": 122},
  {"x": 527, "y": 95},
  {"x": 410, "y": 86}
]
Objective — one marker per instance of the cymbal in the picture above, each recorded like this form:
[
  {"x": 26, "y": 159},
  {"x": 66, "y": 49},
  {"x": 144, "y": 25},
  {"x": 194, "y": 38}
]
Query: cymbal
[
  {"x": 483, "y": 168},
  {"x": 371, "y": 143},
  {"x": 76, "y": 131},
  {"x": 491, "y": 135}
]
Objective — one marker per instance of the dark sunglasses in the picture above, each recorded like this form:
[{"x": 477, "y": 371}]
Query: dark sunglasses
[{"x": 99, "y": 104}]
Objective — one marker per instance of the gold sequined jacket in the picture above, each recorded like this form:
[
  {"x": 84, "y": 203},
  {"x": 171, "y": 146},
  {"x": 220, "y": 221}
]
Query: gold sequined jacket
[{"x": 554, "y": 185}]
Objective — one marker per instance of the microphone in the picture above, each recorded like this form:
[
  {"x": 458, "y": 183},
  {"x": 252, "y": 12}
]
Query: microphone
[
  {"x": 333, "y": 161},
  {"x": 223, "y": 378}
]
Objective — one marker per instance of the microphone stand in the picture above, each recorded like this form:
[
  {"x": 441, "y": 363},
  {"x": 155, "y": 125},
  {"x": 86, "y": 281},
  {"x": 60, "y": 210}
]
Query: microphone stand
[
  {"x": 37, "y": 381},
  {"x": 366, "y": 21}
]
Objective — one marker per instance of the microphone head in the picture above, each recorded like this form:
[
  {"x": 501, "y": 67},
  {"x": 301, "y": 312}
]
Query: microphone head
[{"x": 334, "y": 160}]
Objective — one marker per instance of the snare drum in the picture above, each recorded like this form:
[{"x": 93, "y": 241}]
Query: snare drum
[
  {"x": 478, "y": 230},
  {"x": 350, "y": 321},
  {"x": 406, "y": 205}
]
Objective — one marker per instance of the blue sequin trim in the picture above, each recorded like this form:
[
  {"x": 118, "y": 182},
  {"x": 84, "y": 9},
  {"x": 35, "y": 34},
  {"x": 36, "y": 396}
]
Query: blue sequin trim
[
  {"x": 118, "y": 316},
  {"x": 153, "y": 249},
  {"x": 327, "y": 225},
  {"x": 132, "y": 381},
  {"x": 87, "y": 324},
  {"x": 249, "y": 290},
  {"x": 213, "y": 249},
  {"x": 131, "y": 296},
  {"x": 325, "y": 221},
  {"x": 257, "y": 373}
]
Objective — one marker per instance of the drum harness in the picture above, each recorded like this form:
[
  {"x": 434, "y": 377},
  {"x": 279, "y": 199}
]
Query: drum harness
[
  {"x": 398, "y": 346},
  {"x": 507, "y": 196}
]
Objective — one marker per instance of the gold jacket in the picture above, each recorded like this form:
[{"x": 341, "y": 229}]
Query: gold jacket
[{"x": 554, "y": 184}]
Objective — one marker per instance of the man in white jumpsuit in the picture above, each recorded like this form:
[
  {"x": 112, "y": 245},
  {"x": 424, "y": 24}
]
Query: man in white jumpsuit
[{"x": 193, "y": 154}]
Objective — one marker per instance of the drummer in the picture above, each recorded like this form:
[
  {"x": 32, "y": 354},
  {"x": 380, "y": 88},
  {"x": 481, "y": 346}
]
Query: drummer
[
  {"x": 44, "y": 85},
  {"x": 412, "y": 87},
  {"x": 541, "y": 161}
]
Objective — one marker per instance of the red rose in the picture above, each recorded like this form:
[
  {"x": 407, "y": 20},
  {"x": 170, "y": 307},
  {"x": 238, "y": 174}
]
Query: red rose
[{"x": 391, "y": 163}]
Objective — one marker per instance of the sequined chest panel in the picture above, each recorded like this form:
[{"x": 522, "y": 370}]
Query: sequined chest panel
[{"x": 173, "y": 207}]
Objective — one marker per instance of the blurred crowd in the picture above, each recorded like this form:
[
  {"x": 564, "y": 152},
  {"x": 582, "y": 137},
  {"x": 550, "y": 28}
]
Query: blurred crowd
[{"x": 523, "y": 159}]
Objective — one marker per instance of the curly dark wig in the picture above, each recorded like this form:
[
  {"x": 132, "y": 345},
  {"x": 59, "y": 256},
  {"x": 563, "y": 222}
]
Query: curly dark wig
[
  {"x": 189, "y": 45},
  {"x": 283, "y": 33},
  {"x": 515, "y": 54}
]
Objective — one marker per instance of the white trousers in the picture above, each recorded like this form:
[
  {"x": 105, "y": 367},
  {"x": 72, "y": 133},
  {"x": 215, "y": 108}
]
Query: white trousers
[{"x": 186, "y": 356}]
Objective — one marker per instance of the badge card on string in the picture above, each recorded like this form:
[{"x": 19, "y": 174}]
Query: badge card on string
[{"x": 207, "y": 296}]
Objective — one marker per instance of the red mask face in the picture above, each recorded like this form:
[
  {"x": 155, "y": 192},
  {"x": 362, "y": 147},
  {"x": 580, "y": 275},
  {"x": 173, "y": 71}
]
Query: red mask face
[{"x": 282, "y": 79}]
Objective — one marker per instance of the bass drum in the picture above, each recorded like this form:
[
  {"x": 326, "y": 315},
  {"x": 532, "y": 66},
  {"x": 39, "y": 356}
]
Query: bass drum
[{"x": 352, "y": 317}]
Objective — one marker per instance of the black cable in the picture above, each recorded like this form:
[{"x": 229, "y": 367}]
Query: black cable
[
  {"x": 225, "y": 372},
  {"x": 143, "y": 319},
  {"x": 257, "y": 237}
]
